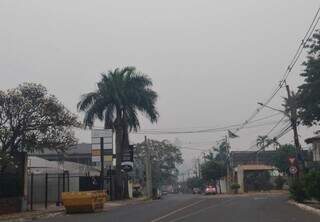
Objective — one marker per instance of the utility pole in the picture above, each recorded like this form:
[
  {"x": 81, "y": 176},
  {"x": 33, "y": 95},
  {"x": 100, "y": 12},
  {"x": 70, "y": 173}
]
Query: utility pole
[
  {"x": 228, "y": 165},
  {"x": 148, "y": 169},
  {"x": 102, "y": 164},
  {"x": 293, "y": 118},
  {"x": 199, "y": 168}
]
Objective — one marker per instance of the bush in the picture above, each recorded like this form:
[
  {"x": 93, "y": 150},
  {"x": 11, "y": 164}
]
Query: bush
[
  {"x": 136, "y": 193},
  {"x": 235, "y": 187},
  {"x": 297, "y": 191},
  {"x": 279, "y": 181},
  {"x": 312, "y": 184}
]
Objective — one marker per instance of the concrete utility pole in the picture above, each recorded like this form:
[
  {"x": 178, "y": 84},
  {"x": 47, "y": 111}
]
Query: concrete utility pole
[
  {"x": 293, "y": 118},
  {"x": 148, "y": 169},
  {"x": 228, "y": 165}
]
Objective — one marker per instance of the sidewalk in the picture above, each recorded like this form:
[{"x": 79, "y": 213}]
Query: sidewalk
[
  {"x": 53, "y": 211},
  {"x": 313, "y": 207},
  {"x": 33, "y": 215}
]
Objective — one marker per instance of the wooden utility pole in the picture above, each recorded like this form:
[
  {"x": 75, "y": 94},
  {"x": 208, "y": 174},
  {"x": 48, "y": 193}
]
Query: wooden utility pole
[{"x": 148, "y": 169}]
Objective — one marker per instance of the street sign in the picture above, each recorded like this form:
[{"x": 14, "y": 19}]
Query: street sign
[
  {"x": 292, "y": 160},
  {"x": 293, "y": 170},
  {"x": 127, "y": 159},
  {"x": 107, "y": 136}
]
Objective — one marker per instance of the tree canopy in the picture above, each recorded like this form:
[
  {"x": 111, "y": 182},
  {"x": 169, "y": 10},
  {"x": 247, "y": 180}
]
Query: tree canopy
[
  {"x": 308, "y": 96},
  {"x": 31, "y": 120},
  {"x": 215, "y": 165},
  {"x": 213, "y": 170},
  {"x": 165, "y": 158},
  {"x": 120, "y": 94}
]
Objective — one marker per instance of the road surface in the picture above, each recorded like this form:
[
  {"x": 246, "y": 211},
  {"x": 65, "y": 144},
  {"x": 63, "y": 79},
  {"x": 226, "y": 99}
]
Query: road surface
[{"x": 198, "y": 208}]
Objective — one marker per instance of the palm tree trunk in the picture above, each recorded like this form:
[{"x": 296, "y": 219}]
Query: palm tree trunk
[
  {"x": 122, "y": 143},
  {"x": 118, "y": 181}
]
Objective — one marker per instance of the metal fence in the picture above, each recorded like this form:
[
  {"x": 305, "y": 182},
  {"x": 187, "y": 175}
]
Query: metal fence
[{"x": 45, "y": 189}]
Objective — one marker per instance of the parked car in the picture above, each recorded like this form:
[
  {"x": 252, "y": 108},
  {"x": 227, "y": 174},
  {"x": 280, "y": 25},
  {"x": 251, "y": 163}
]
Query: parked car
[
  {"x": 196, "y": 190},
  {"x": 156, "y": 194},
  {"x": 210, "y": 190}
]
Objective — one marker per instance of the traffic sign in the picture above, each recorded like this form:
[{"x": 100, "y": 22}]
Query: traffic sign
[
  {"x": 293, "y": 170},
  {"x": 292, "y": 160}
]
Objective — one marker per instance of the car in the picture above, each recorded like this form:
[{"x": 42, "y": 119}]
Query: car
[
  {"x": 210, "y": 190},
  {"x": 196, "y": 190}
]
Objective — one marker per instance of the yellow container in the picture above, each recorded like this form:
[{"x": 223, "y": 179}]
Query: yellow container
[{"x": 87, "y": 201}]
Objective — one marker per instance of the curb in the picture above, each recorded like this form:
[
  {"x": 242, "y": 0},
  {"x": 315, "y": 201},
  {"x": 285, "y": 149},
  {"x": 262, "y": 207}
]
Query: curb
[
  {"x": 32, "y": 216},
  {"x": 305, "y": 207}
]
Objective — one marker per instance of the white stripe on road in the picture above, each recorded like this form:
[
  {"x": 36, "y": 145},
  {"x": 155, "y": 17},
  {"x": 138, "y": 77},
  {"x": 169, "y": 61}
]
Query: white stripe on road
[
  {"x": 176, "y": 211},
  {"x": 201, "y": 210}
]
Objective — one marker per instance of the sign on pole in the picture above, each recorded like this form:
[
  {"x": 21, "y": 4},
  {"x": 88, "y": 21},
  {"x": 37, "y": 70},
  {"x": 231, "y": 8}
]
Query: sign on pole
[
  {"x": 107, "y": 135},
  {"x": 127, "y": 159},
  {"x": 293, "y": 170},
  {"x": 292, "y": 160}
]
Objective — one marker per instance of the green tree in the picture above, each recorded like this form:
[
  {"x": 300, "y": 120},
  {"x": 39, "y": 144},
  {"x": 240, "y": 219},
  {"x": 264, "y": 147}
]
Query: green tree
[
  {"x": 308, "y": 96},
  {"x": 165, "y": 157},
  {"x": 280, "y": 158},
  {"x": 31, "y": 120},
  {"x": 213, "y": 170},
  {"x": 121, "y": 94},
  {"x": 194, "y": 182},
  {"x": 222, "y": 152}
]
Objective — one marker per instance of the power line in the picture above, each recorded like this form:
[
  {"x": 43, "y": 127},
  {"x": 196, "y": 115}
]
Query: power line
[
  {"x": 294, "y": 60},
  {"x": 269, "y": 132},
  {"x": 275, "y": 126},
  {"x": 213, "y": 130}
]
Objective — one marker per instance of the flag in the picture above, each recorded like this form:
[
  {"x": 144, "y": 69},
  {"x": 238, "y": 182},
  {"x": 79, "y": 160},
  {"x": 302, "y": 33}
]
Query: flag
[{"x": 232, "y": 135}]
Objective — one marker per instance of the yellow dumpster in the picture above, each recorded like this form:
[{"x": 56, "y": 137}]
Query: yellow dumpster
[{"x": 87, "y": 201}]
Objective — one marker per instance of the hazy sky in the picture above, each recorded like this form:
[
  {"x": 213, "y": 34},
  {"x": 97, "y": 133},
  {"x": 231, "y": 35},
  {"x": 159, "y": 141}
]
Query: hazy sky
[{"x": 211, "y": 61}]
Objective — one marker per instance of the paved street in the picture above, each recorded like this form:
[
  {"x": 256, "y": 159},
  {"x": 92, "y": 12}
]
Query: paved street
[{"x": 249, "y": 208}]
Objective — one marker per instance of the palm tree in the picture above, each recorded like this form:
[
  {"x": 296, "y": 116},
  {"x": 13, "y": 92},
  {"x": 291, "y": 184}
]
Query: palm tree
[
  {"x": 262, "y": 142},
  {"x": 120, "y": 95}
]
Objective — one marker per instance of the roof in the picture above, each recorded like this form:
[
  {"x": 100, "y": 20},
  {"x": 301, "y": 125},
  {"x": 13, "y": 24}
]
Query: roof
[
  {"x": 81, "y": 148},
  {"x": 312, "y": 139},
  {"x": 255, "y": 167},
  {"x": 40, "y": 165},
  {"x": 252, "y": 157}
]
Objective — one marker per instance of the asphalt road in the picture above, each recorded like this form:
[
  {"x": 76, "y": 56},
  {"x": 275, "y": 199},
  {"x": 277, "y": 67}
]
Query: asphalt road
[{"x": 187, "y": 208}]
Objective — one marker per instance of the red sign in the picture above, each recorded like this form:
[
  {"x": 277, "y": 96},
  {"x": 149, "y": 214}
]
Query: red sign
[{"x": 292, "y": 160}]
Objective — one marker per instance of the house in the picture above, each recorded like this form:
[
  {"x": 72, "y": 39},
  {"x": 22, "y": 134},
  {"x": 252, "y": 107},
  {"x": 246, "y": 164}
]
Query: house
[
  {"x": 37, "y": 165},
  {"x": 80, "y": 153},
  {"x": 249, "y": 164},
  {"x": 315, "y": 141}
]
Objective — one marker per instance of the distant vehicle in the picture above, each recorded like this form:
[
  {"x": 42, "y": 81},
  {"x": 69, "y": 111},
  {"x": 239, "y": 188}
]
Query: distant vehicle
[
  {"x": 164, "y": 192},
  {"x": 196, "y": 190},
  {"x": 210, "y": 190},
  {"x": 156, "y": 194}
]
